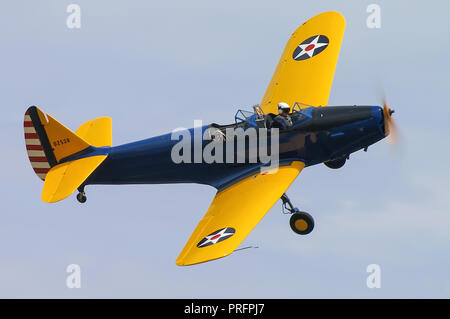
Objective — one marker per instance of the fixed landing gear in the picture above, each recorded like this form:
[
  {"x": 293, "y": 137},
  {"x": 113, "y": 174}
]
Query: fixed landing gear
[
  {"x": 81, "y": 196},
  {"x": 301, "y": 223},
  {"x": 337, "y": 163}
]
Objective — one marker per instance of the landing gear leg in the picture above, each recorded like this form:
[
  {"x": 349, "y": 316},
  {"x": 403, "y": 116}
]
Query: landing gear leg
[
  {"x": 287, "y": 205},
  {"x": 301, "y": 223},
  {"x": 81, "y": 196}
]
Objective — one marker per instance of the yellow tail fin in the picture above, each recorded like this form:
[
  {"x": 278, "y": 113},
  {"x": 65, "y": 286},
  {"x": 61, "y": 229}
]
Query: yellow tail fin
[{"x": 50, "y": 146}]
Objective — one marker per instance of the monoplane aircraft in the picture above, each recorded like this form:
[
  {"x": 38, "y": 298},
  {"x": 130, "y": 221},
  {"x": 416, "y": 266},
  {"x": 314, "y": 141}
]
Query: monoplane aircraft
[{"x": 246, "y": 189}]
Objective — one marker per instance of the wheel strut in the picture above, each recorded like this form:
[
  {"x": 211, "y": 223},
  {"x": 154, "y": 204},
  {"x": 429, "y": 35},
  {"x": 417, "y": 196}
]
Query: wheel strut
[
  {"x": 287, "y": 205},
  {"x": 301, "y": 223}
]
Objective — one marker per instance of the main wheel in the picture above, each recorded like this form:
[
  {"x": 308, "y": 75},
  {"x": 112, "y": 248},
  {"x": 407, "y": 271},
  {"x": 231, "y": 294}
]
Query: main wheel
[
  {"x": 302, "y": 223},
  {"x": 337, "y": 163},
  {"x": 81, "y": 197}
]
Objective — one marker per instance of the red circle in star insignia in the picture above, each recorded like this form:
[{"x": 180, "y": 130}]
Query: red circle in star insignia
[
  {"x": 310, "y": 47},
  {"x": 216, "y": 237}
]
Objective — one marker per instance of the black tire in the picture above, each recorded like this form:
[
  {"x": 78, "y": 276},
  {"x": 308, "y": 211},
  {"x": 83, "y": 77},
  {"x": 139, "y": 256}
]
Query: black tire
[
  {"x": 81, "y": 197},
  {"x": 337, "y": 163},
  {"x": 302, "y": 223}
]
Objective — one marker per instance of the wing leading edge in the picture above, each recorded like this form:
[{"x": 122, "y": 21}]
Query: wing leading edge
[
  {"x": 234, "y": 212},
  {"x": 306, "y": 68}
]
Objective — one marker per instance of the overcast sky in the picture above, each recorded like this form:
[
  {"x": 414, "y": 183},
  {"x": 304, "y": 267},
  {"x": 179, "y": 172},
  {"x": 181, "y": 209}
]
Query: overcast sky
[{"x": 179, "y": 61}]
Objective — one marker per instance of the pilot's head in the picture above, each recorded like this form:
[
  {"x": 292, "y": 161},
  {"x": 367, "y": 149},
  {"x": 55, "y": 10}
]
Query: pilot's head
[{"x": 283, "y": 108}]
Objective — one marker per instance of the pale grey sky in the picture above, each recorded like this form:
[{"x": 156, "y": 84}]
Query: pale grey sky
[{"x": 193, "y": 60}]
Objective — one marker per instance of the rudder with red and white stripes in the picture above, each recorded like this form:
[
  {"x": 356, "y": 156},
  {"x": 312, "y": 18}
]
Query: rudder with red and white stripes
[{"x": 37, "y": 145}]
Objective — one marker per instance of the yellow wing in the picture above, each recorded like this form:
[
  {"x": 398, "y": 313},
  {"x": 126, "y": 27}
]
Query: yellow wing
[
  {"x": 305, "y": 71},
  {"x": 234, "y": 212}
]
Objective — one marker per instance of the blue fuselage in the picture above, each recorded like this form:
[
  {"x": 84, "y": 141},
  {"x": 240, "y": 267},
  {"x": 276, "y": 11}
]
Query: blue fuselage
[{"x": 324, "y": 134}]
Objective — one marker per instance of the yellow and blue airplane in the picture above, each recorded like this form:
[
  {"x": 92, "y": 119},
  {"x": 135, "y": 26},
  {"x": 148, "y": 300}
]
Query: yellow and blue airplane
[{"x": 68, "y": 161}]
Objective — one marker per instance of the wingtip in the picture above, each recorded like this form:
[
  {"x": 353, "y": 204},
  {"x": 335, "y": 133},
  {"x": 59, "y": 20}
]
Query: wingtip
[
  {"x": 49, "y": 197},
  {"x": 330, "y": 14},
  {"x": 179, "y": 263}
]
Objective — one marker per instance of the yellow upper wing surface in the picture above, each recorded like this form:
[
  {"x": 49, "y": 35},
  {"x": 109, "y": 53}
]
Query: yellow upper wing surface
[
  {"x": 306, "y": 68},
  {"x": 234, "y": 212}
]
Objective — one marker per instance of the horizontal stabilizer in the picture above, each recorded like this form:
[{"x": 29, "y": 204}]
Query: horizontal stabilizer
[
  {"x": 63, "y": 179},
  {"x": 97, "y": 132}
]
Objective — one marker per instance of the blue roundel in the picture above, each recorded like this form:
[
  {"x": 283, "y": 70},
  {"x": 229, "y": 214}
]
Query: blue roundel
[{"x": 310, "y": 47}]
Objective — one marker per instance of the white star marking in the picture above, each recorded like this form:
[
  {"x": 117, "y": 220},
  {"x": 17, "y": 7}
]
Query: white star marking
[
  {"x": 216, "y": 238},
  {"x": 310, "y": 52}
]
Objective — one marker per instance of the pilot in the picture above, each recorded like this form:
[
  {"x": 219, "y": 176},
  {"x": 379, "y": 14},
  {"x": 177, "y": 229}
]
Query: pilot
[{"x": 283, "y": 119}]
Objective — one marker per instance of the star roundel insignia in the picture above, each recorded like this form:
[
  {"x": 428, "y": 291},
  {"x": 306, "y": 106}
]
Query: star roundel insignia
[
  {"x": 216, "y": 237},
  {"x": 310, "y": 47}
]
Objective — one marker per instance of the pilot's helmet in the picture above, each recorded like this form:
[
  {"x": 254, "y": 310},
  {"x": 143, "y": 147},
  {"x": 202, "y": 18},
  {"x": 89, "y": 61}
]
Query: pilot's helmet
[{"x": 283, "y": 108}]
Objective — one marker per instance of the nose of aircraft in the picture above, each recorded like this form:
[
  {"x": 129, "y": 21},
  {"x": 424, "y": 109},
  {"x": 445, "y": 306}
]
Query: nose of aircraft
[{"x": 377, "y": 113}]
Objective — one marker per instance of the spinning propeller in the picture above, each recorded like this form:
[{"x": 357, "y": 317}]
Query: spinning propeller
[{"x": 390, "y": 127}]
